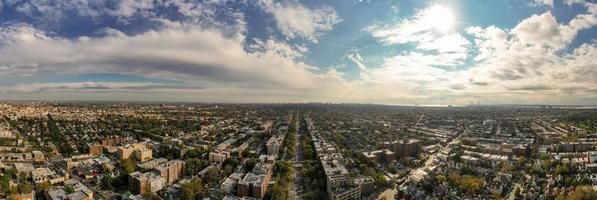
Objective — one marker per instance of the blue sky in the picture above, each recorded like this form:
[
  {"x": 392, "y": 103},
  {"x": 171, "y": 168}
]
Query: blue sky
[{"x": 361, "y": 51}]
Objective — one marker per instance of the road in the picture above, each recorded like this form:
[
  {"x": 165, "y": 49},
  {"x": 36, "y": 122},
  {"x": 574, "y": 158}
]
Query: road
[
  {"x": 512, "y": 195},
  {"x": 419, "y": 120},
  {"x": 295, "y": 188}
]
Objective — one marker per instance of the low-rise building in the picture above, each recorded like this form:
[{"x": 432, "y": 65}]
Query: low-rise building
[
  {"x": 38, "y": 156},
  {"x": 45, "y": 174}
]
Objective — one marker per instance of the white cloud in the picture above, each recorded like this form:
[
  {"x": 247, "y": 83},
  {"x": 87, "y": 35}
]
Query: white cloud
[
  {"x": 91, "y": 87},
  {"x": 542, "y": 3},
  {"x": 524, "y": 65},
  {"x": 453, "y": 43},
  {"x": 426, "y": 25},
  {"x": 545, "y": 30},
  {"x": 295, "y": 20},
  {"x": 530, "y": 63},
  {"x": 53, "y": 12},
  {"x": 280, "y": 48},
  {"x": 431, "y": 30},
  {"x": 357, "y": 59},
  {"x": 491, "y": 41},
  {"x": 128, "y": 8},
  {"x": 186, "y": 53}
]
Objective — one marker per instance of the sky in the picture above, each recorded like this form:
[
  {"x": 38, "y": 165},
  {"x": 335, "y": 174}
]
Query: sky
[{"x": 263, "y": 51}]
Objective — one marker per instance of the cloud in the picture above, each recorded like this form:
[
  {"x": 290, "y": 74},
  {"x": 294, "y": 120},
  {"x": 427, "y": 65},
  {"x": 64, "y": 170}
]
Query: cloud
[
  {"x": 56, "y": 10},
  {"x": 458, "y": 87},
  {"x": 422, "y": 27},
  {"x": 541, "y": 3},
  {"x": 177, "y": 53},
  {"x": 526, "y": 64},
  {"x": 53, "y": 15},
  {"x": 196, "y": 56},
  {"x": 297, "y": 21},
  {"x": 532, "y": 87},
  {"x": 93, "y": 87},
  {"x": 211, "y": 56},
  {"x": 437, "y": 44},
  {"x": 357, "y": 59},
  {"x": 491, "y": 41},
  {"x": 545, "y": 30},
  {"x": 128, "y": 8}
]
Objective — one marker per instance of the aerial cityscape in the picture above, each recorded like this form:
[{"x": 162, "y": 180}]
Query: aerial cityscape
[
  {"x": 298, "y": 99},
  {"x": 82, "y": 150}
]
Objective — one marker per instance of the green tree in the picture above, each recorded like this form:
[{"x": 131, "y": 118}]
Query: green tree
[
  {"x": 194, "y": 166},
  {"x": 191, "y": 190},
  {"x": 250, "y": 163},
  {"x": 583, "y": 193},
  {"x": 228, "y": 169},
  {"x": 68, "y": 189},
  {"x": 25, "y": 188},
  {"x": 441, "y": 178},
  {"x": 106, "y": 182},
  {"x": 43, "y": 185},
  {"x": 128, "y": 166},
  {"x": 148, "y": 195}
]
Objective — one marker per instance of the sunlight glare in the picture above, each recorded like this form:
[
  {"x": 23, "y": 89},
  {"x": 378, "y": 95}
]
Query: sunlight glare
[{"x": 440, "y": 18}]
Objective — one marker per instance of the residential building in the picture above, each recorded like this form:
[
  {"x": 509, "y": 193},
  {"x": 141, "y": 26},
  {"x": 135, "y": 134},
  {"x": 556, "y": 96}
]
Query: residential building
[
  {"x": 95, "y": 149},
  {"x": 171, "y": 170},
  {"x": 404, "y": 148},
  {"x": 140, "y": 183},
  {"x": 143, "y": 154}
]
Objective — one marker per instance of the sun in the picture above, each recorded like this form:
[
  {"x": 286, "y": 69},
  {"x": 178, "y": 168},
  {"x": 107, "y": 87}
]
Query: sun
[{"x": 439, "y": 18}]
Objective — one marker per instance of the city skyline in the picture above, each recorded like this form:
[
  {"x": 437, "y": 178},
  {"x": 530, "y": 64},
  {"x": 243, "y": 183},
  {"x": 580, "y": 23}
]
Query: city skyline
[{"x": 382, "y": 52}]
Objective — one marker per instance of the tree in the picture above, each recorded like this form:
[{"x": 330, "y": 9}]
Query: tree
[
  {"x": 128, "y": 166},
  {"x": 518, "y": 192},
  {"x": 583, "y": 193},
  {"x": 25, "y": 188},
  {"x": 194, "y": 166},
  {"x": 186, "y": 193},
  {"x": 279, "y": 191},
  {"x": 191, "y": 190},
  {"x": 521, "y": 162},
  {"x": 233, "y": 162},
  {"x": 392, "y": 168},
  {"x": 441, "y": 178},
  {"x": 228, "y": 169},
  {"x": 380, "y": 180},
  {"x": 562, "y": 169},
  {"x": 106, "y": 182},
  {"x": 370, "y": 172},
  {"x": 68, "y": 189},
  {"x": 212, "y": 174},
  {"x": 43, "y": 185},
  {"x": 250, "y": 163},
  {"x": 148, "y": 195},
  {"x": 282, "y": 167}
]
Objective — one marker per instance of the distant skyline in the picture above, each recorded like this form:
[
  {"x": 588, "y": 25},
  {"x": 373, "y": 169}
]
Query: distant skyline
[{"x": 343, "y": 51}]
